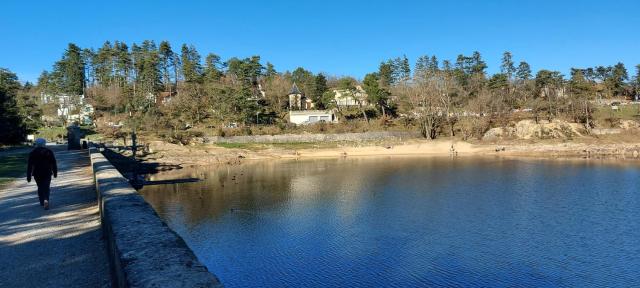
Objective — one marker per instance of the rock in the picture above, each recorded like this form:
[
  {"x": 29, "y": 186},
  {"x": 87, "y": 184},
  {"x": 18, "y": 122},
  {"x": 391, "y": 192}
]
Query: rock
[
  {"x": 629, "y": 124},
  {"x": 528, "y": 129},
  {"x": 493, "y": 134}
]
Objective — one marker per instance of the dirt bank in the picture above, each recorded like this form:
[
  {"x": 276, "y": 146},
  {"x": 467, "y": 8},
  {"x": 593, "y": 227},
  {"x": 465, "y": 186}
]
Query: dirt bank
[{"x": 171, "y": 156}]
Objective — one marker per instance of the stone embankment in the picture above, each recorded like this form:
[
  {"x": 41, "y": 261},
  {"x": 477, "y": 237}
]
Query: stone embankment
[
  {"x": 143, "y": 251},
  {"x": 297, "y": 138}
]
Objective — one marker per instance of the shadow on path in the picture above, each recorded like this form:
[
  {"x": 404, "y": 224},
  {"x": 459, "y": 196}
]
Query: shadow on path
[{"x": 61, "y": 247}]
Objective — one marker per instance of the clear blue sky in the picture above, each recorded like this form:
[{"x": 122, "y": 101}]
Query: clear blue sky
[{"x": 337, "y": 37}]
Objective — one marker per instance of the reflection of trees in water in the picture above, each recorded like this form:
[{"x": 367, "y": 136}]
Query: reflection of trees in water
[
  {"x": 259, "y": 186},
  {"x": 269, "y": 185}
]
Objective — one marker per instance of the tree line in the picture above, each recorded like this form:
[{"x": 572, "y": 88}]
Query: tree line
[
  {"x": 433, "y": 95},
  {"x": 19, "y": 110}
]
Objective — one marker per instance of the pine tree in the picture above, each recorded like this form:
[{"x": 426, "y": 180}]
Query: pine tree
[
  {"x": 319, "y": 88},
  {"x": 122, "y": 62},
  {"x": 405, "y": 69},
  {"x": 446, "y": 66},
  {"x": 87, "y": 57},
  {"x": 385, "y": 72},
  {"x": 191, "y": 67},
  {"x": 150, "y": 75},
  {"x": 422, "y": 64},
  {"x": 28, "y": 108},
  {"x": 166, "y": 62},
  {"x": 270, "y": 70},
  {"x": 376, "y": 94},
  {"x": 460, "y": 71},
  {"x": 507, "y": 67},
  {"x": 212, "y": 67},
  {"x": 477, "y": 64},
  {"x": 581, "y": 90},
  {"x": 618, "y": 77},
  {"x": 102, "y": 64},
  {"x": 523, "y": 72},
  {"x": 12, "y": 128},
  {"x": 69, "y": 71},
  {"x": 433, "y": 64}
]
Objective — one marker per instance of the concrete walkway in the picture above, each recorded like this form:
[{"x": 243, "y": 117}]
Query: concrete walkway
[{"x": 61, "y": 247}]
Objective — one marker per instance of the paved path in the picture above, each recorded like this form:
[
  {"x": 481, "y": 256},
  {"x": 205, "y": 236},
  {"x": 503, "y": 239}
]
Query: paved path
[{"x": 61, "y": 247}]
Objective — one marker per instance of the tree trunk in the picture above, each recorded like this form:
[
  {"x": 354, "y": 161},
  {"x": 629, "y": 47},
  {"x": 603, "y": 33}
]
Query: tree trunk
[{"x": 364, "y": 113}]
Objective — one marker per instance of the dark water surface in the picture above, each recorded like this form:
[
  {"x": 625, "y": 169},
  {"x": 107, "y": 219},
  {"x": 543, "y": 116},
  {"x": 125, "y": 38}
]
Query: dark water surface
[{"x": 411, "y": 222}]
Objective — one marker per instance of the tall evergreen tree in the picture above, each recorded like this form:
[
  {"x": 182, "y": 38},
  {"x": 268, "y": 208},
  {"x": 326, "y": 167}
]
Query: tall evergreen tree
[
  {"x": 507, "y": 67},
  {"x": 69, "y": 71},
  {"x": 433, "y": 64},
  {"x": 166, "y": 63},
  {"x": 12, "y": 128},
  {"x": 122, "y": 64},
  {"x": 618, "y": 77},
  {"x": 524, "y": 71},
  {"x": 270, "y": 70},
  {"x": 102, "y": 64},
  {"x": 385, "y": 72},
  {"x": 191, "y": 66},
  {"x": 422, "y": 66},
  {"x": 478, "y": 66},
  {"x": 375, "y": 94},
  {"x": 581, "y": 90},
  {"x": 319, "y": 88},
  {"x": 28, "y": 108},
  {"x": 405, "y": 69},
  {"x": 150, "y": 75},
  {"x": 212, "y": 67},
  {"x": 446, "y": 66}
]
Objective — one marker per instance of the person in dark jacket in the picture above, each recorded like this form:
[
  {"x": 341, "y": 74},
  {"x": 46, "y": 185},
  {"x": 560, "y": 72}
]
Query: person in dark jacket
[{"x": 42, "y": 165}]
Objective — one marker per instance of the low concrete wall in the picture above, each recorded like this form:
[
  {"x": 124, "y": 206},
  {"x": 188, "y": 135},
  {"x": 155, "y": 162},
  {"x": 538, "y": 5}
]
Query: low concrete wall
[
  {"x": 143, "y": 250},
  {"x": 288, "y": 138},
  {"x": 606, "y": 131}
]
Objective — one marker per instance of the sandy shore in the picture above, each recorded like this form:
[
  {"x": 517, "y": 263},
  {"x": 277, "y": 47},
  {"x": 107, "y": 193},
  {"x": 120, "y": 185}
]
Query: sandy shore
[
  {"x": 170, "y": 154},
  {"x": 425, "y": 148}
]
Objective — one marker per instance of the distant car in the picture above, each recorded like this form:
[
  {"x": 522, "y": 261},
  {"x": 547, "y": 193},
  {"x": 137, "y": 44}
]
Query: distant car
[{"x": 615, "y": 106}]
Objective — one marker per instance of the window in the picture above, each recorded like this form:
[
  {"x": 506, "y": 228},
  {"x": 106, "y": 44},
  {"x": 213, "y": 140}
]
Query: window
[{"x": 313, "y": 119}]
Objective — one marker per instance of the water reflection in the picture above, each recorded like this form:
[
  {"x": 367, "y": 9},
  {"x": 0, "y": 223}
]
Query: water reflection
[{"x": 407, "y": 222}]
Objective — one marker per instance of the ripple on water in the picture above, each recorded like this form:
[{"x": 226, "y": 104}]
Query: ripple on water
[{"x": 411, "y": 222}]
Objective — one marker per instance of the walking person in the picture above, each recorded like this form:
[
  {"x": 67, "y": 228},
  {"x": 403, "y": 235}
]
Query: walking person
[{"x": 42, "y": 165}]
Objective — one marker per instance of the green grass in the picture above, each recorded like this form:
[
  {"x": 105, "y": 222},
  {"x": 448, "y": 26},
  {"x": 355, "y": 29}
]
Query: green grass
[
  {"x": 625, "y": 112},
  {"x": 303, "y": 145},
  {"x": 51, "y": 133},
  {"x": 13, "y": 166},
  {"x": 292, "y": 145}
]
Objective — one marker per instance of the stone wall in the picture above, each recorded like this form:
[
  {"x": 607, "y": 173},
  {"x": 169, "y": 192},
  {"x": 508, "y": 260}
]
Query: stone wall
[
  {"x": 143, "y": 250},
  {"x": 289, "y": 138}
]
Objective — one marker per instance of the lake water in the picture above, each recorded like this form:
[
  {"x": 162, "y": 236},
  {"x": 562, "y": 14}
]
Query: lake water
[{"x": 411, "y": 222}]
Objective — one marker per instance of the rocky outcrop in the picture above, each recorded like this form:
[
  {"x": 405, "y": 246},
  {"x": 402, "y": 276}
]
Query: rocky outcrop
[
  {"x": 529, "y": 129},
  {"x": 629, "y": 124}
]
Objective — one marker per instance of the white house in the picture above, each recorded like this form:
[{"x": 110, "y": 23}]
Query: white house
[
  {"x": 344, "y": 98},
  {"x": 303, "y": 117},
  {"x": 302, "y": 109},
  {"x": 71, "y": 107}
]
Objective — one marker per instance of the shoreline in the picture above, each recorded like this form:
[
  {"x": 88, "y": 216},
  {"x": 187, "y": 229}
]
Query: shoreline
[{"x": 176, "y": 156}]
